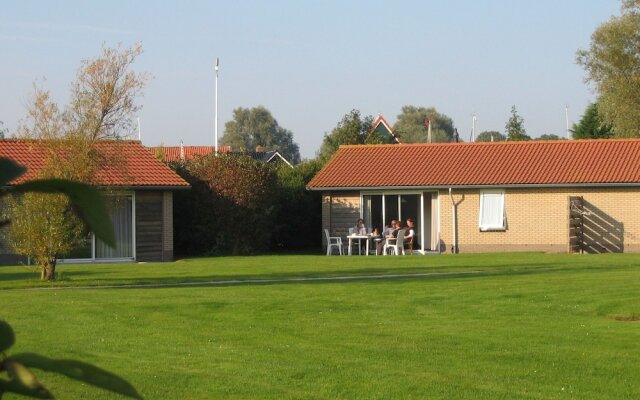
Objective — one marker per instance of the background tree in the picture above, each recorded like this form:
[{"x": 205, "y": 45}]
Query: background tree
[
  {"x": 549, "y": 136},
  {"x": 253, "y": 127},
  {"x": 298, "y": 224},
  {"x": 3, "y": 131},
  {"x": 490, "y": 136},
  {"x": 411, "y": 128},
  {"x": 591, "y": 125},
  {"x": 352, "y": 129},
  {"x": 515, "y": 127},
  {"x": 104, "y": 93},
  {"x": 612, "y": 63},
  {"x": 101, "y": 106}
]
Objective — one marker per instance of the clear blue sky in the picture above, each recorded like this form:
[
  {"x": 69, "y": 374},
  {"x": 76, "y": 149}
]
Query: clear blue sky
[{"x": 311, "y": 62}]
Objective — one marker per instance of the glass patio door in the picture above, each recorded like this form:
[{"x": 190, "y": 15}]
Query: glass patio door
[
  {"x": 121, "y": 212},
  {"x": 379, "y": 209}
]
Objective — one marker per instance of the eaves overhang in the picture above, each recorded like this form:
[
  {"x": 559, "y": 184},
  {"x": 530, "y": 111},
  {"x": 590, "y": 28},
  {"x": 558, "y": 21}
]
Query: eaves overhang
[{"x": 502, "y": 186}]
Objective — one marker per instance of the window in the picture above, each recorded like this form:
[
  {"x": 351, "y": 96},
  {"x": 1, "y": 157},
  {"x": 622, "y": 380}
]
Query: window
[{"x": 492, "y": 210}]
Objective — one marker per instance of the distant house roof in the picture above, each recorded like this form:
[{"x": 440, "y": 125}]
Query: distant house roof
[
  {"x": 382, "y": 126},
  {"x": 181, "y": 153},
  {"x": 141, "y": 168},
  {"x": 177, "y": 153},
  {"x": 534, "y": 163}
]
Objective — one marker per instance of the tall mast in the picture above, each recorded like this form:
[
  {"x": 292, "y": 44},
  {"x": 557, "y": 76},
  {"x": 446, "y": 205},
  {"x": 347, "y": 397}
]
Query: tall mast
[
  {"x": 215, "y": 123},
  {"x": 474, "y": 120},
  {"x": 566, "y": 119}
]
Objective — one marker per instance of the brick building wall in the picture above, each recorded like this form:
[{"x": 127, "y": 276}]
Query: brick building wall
[{"x": 537, "y": 220}]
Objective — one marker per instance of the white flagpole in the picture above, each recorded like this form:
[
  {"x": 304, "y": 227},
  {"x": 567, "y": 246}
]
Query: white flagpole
[
  {"x": 566, "y": 119},
  {"x": 217, "y": 67},
  {"x": 429, "y": 131},
  {"x": 139, "y": 132},
  {"x": 473, "y": 127}
]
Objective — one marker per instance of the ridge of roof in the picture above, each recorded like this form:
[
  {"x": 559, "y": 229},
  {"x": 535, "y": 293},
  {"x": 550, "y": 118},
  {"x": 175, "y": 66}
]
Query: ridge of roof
[
  {"x": 501, "y": 143},
  {"x": 34, "y": 140}
]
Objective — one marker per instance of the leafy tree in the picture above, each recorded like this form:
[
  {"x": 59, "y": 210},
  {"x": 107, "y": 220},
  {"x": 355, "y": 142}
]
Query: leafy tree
[
  {"x": 591, "y": 125},
  {"x": 612, "y": 63},
  {"x": 101, "y": 107},
  {"x": 104, "y": 93},
  {"x": 253, "y": 127},
  {"x": 411, "y": 127},
  {"x": 230, "y": 208},
  {"x": 44, "y": 228},
  {"x": 353, "y": 128},
  {"x": 490, "y": 136},
  {"x": 515, "y": 127}
]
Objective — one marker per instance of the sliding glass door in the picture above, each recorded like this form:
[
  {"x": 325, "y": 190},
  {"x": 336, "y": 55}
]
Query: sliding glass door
[
  {"x": 379, "y": 209},
  {"x": 121, "y": 213},
  {"x": 122, "y": 218}
]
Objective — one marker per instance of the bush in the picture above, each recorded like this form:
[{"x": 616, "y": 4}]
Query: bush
[
  {"x": 230, "y": 208},
  {"x": 238, "y": 205}
]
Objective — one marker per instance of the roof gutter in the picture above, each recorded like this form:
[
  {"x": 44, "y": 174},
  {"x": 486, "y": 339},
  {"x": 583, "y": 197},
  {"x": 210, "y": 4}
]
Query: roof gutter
[
  {"x": 147, "y": 187},
  {"x": 501, "y": 186}
]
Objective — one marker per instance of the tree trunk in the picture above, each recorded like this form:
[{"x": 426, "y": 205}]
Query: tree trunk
[{"x": 49, "y": 270}]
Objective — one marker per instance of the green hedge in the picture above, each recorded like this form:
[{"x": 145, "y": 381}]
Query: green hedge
[{"x": 238, "y": 205}]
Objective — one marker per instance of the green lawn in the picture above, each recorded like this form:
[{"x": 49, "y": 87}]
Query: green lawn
[{"x": 507, "y": 326}]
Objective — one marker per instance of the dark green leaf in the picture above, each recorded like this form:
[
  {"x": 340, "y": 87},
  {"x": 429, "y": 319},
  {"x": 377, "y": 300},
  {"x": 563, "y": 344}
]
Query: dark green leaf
[
  {"x": 81, "y": 371},
  {"x": 9, "y": 170},
  {"x": 86, "y": 200},
  {"x": 13, "y": 386},
  {"x": 25, "y": 378},
  {"x": 7, "y": 337}
]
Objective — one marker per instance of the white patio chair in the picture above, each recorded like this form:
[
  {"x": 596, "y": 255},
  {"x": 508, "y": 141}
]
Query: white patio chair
[
  {"x": 333, "y": 241},
  {"x": 395, "y": 245}
]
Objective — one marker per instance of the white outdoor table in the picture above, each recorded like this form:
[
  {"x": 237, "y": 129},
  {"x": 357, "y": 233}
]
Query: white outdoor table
[{"x": 359, "y": 238}]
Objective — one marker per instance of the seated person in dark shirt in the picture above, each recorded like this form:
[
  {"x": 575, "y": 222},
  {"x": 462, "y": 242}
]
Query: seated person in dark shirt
[{"x": 390, "y": 232}]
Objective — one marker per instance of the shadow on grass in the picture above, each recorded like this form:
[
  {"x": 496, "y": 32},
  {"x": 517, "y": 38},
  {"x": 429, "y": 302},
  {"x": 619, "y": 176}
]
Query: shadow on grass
[{"x": 333, "y": 277}]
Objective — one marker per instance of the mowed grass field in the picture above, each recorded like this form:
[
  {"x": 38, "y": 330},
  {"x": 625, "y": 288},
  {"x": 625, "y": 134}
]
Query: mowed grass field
[{"x": 489, "y": 326}]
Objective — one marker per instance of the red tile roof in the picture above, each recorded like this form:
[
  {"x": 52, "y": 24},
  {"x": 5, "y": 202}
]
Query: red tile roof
[
  {"x": 141, "y": 169},
  {"x": 612, "y": 161},
  {"x": 172, "y": 153}
]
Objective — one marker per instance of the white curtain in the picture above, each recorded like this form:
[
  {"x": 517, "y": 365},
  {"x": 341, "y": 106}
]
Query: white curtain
[
  {"x": 491, "y": 210},
  {"x": 121, "y": 217}
]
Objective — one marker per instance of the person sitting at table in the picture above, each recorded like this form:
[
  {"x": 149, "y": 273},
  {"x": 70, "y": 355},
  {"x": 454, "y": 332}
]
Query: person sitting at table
[
  {"x": 360, "y": 229},
  {"x": 410, "y": 234},
  {"x": 389, "y": 229},
  {"x": 390, "y": 233}
]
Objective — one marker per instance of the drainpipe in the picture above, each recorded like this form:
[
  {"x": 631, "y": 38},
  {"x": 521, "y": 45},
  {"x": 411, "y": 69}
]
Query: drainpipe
[{"x": 454, "y": 242}]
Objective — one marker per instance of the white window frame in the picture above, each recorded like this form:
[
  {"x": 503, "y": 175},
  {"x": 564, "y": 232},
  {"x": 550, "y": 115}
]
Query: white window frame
[{"x": 500, "y": 226}]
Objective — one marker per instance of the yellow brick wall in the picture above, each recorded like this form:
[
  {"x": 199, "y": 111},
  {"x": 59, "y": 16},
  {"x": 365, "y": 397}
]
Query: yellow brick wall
[{"x": 537, "y": 220}]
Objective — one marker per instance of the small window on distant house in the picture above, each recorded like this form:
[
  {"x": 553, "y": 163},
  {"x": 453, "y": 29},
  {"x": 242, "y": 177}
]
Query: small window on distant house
[{"x": 492, "y": 210}]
